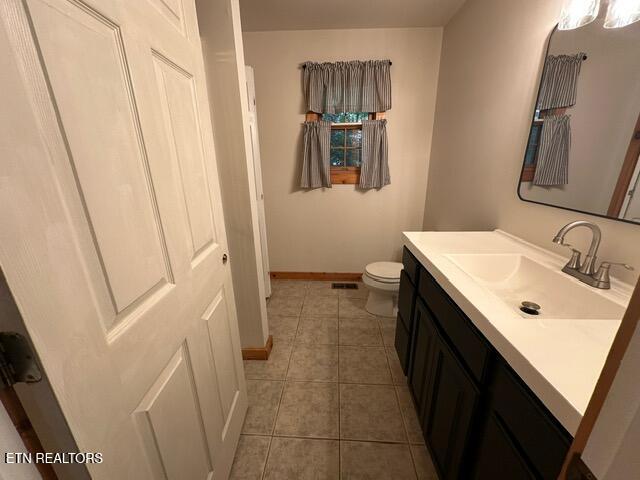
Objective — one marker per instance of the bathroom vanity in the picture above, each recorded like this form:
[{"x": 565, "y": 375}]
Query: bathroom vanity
[{"x": 499, "y": 392}]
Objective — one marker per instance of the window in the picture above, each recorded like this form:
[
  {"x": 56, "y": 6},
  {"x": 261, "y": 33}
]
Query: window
[
  {"x": 346, "y": 143},
  {"x": 531, "y": 153}
]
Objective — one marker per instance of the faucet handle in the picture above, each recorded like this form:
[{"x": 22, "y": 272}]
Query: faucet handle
[
  {"x": 602, "y": 275},
  {"x": 575, "y": 261},
  {"x": 607, "y": 265}
]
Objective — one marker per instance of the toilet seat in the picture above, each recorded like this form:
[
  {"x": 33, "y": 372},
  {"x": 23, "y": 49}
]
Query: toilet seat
[{"x": 384, "y": 272}]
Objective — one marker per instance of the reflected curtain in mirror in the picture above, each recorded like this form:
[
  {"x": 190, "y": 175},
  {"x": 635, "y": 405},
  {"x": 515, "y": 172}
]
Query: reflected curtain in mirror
[
  {"x": 560, "y": 81},
  {"x": 553, "y": 153},
  {"x": 588, "y": 161}
]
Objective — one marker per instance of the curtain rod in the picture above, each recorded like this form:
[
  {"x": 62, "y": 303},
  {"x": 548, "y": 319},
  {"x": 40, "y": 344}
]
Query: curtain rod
[{"x": 390, "y": 63}]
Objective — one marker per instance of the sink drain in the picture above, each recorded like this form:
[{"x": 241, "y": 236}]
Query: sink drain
[{"x": 530, "y": 308}]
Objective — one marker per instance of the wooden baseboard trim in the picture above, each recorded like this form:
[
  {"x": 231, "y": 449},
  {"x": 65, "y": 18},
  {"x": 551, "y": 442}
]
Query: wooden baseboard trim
[
  {"x": 326, "y": 276},
  {"x": 259, "y": 353}
]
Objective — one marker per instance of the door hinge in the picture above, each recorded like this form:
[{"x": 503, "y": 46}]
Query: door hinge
[{"x": 17, "y": 360}]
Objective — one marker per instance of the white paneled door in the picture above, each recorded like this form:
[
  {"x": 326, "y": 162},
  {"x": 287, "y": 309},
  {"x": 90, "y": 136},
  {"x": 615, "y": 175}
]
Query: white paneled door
[{"x": 112, "y": 234}]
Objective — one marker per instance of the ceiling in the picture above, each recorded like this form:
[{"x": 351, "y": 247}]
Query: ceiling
[{"x": 263, "y": 15}]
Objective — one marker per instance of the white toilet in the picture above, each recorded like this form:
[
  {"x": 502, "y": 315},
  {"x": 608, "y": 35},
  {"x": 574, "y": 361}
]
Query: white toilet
[{"x": 383, "y": 281}]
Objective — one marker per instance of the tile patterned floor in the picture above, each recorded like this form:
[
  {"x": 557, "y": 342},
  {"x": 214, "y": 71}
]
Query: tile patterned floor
[{"x": 331, "y": 402}]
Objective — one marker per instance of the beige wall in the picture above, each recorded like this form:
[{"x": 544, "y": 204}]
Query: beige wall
[
  {"x": 342, "y": 229},
  {"x": 491, "y": 62}
]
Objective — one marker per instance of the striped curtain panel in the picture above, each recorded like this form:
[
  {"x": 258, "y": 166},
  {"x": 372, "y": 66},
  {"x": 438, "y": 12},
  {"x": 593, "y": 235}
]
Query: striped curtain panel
[
  {"x": 559, "y": 81},
  {"x": 316, "y": 145},
  {"x": 374, "y": 170},
  {"x": 552, "y": 168},
  {"x": 356, "y": 86}
]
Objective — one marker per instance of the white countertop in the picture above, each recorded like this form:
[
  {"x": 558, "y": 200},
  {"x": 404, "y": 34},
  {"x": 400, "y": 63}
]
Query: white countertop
[{"x": 560, "y": 360}]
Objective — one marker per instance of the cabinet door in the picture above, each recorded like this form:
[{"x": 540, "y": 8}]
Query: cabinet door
[
  {"x": 423, "y": 338},
  {"x": 451, "y": 400},
  {"x": 498, "y": 456},
  {"x": 402, "y": 343},
  {"x": 406, "y": 299}
]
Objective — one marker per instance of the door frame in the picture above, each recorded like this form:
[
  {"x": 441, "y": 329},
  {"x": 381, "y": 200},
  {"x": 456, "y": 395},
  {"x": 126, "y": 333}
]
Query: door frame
[{"x": 627, "y": 173}]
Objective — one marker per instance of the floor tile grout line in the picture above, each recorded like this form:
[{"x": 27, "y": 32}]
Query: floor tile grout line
[
  {"x": 275, "y": 422},
  {"x": 266, "y": 458},
  {"x": 349, "y": 439},
  {"x": 339, "y": 400}
]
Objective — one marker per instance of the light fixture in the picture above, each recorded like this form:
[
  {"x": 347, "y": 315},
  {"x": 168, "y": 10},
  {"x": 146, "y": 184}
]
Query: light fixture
[
  {"x": 576, "y": 13},
  {"x": 622, "y": 13}
]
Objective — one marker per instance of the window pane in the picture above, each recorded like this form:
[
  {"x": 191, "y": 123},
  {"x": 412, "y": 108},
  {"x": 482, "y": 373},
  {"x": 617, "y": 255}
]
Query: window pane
[
  {"x": 345, "y": 117},
  {"x": 337, "y": 138},
  {"x": 331, "y": 117},
  {"x": 354, "y": 138},
  {"x": 532, "y": 144},
  {"x": 356, "y": 117},
  {"x": 337, "y": 157},
  {"x": 353, "y": 157}
]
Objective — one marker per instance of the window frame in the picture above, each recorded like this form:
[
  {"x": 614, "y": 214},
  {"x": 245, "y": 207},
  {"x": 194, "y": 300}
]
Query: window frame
[{"x": 344, "y": 175}]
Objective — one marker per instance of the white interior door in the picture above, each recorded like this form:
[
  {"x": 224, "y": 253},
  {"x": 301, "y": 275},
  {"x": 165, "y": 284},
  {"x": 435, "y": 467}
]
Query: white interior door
[
  {"x": 257, "y": 170},
  {"x": 112, "y": 233}
]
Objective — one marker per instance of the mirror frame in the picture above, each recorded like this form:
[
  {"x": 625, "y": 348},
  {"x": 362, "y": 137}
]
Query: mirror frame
[{"x": 526, "y": 142}]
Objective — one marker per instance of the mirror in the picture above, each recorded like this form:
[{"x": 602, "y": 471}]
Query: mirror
[{"x": 583, "y": 146}]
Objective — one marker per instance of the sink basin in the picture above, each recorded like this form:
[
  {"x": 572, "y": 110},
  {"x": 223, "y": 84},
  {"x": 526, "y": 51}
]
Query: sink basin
[{"x": 515, "y": 278}]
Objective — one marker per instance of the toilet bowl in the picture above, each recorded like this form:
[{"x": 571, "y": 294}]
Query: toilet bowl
[{"x": 382, "y": 279}]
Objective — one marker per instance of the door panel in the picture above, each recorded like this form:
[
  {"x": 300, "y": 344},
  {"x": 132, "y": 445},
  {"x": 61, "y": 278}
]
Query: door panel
[
  {"x": 112, "y": 232},
  {"x": 449, "y": 411},
  {"x": 170, "y": 410},
  {"x": 178, "y": 99},
  {"x": 106, "y": 148},
  {"x": 172, "y": 11},
  {"x": 424, "y": 339},
  {"x": 223, "y": 355}
]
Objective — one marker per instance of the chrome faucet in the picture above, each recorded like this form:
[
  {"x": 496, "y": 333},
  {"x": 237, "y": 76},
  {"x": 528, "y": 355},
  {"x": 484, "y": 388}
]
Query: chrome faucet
[{"x": 586, "y": 272}]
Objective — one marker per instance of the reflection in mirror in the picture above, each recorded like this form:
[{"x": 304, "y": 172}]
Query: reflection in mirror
[{"x": 583, "y": 146}]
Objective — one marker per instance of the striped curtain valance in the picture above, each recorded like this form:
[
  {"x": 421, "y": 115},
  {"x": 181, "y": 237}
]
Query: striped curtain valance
[
  {"x": 316, "y": 145},
  {"x": 374, "y": 170},
  {"x": 552, "y": 167},
  {"x": 559, "y": 81},
  {"x": 356, "y": 86}
]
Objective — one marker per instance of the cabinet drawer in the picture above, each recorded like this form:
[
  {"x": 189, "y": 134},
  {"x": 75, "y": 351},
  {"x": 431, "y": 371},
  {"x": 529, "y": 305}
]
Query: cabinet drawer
[
  {"x": 402, "y": 344},
  {"x": 469, "y": 344},
  {"x": 531, "y": 425},
  {"x": 411, "y": 265},
  {"x": 406, "y": 299}
]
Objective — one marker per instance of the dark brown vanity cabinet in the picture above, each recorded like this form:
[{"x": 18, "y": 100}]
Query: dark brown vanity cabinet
[
  {"x": 450, "y": 404},
  {"x": 479, "y": 420},
  {"x": 406, "y": 303}
]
